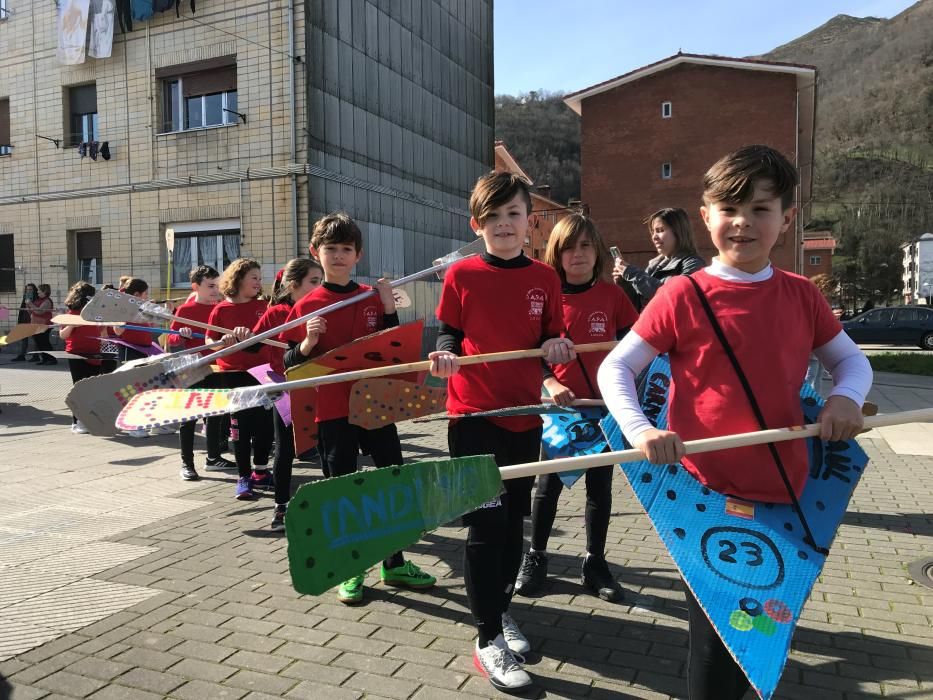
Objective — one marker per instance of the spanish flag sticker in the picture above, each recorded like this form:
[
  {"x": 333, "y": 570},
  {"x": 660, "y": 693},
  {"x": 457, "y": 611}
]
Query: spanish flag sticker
[{"x": 740, "y": 508}]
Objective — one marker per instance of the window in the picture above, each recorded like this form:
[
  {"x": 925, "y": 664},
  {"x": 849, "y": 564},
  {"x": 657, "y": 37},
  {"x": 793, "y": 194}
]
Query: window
[
  {"x": 198, "y": 96},
  {"x": 665, "y": 110},
  {"x": 3, "y": 13},
  {"x": 88, "y": 256},
  {"x": 82, "y": 114},
  {"x": 908, "y": 315},
  {"x": 6, "y": 148},
  {"x": 666, "y": 171},
  {"x": 205, "y": 243},
  {"x": 815, "y": 259},
  {"x": 7, "y": 272}
]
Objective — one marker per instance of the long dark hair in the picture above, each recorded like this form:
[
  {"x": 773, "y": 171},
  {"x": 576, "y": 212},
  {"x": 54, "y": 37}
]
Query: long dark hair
[
  {"x": 79, "y": 295},
  {"x": 293, "y": 274},
  {"x": 678, "y": 221}
]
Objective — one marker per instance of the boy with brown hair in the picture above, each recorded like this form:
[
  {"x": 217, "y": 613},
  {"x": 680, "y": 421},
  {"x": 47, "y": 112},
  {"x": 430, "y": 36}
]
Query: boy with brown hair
[
  {"x": 739, "y": 334},
  {"x": 500, "y": 300},
  {"x": 337, "y": 243}
]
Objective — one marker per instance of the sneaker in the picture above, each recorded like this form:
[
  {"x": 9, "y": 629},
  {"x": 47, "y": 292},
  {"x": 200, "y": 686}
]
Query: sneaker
[
  {"x": 244, "y": 489},
  {"x": 35, "y": 358},
  {"x": 78, "y": 428},
  {"x": 163, "y": 430},
  {"x": 350, "y": 592},
  {"x": 599, "y": 579},
  {"x": 500, "y": 667},
  {"x": 533, "y": 574},
  {"x": 408, "y": 575},
  {"x": 219, "y": 464},
  {"x": 19, "y": 358},
  {"x": 138, "y": 433},
  {"x": 262, "y": 479},
  {"x": 278, "y": 519},
  {"x": 188, "y": 473},
  {"x": 517, "y": 642}
]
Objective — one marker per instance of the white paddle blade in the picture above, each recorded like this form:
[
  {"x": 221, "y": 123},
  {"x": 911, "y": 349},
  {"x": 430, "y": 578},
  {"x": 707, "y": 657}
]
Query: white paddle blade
[
  {"x": 475, "y": 248},
  {"x": 159, "y": 408},
  {"x": 111, "y": 306}
]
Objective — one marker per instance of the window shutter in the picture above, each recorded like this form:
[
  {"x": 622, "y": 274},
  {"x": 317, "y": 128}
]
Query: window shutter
[
  {"x": 7, "y": 273},
  {"x": 88, "y": 245},
  {"x": 83, "y": 99},
  {"x": 209, "y": 82},
  {"x": 4, "y": 122}
]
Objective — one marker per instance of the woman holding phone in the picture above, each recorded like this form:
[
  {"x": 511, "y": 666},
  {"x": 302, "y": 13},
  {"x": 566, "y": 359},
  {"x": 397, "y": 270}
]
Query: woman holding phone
[{"x": 672, "y": 237}]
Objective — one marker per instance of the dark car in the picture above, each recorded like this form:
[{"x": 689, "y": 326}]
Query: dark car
[{"x": 899, "y": 325}]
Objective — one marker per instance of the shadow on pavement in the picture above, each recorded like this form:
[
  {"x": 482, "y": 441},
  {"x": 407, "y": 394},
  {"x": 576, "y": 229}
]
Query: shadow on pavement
[{"x": 909, "y": 523}]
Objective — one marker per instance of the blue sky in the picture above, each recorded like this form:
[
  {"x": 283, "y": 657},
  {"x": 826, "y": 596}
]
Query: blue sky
[{"x": 556, "y": 45}]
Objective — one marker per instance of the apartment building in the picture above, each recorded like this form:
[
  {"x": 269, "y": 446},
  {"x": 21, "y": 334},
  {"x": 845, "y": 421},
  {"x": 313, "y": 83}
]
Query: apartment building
[{"x": 229, "y": 130}]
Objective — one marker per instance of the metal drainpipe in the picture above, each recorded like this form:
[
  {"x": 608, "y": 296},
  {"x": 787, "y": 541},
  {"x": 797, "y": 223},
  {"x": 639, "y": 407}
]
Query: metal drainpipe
[{"x": 292, "y": 137}]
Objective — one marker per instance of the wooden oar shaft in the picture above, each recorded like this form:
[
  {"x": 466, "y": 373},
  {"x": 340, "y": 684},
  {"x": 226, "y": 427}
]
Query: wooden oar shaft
[
  {"x": 423, "y": 365},
  {"x": 218, "y": 329},
  {"x": 759, "y": 437}
]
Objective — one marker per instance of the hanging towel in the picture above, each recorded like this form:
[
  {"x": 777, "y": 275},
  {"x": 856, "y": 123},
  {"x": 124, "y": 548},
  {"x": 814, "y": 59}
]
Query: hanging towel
[
  {"x": 94, "y": 149},
  {"x": 125, "y": 15},
  {"x": 100, "y": 35},
  {"x": 105, "y": 150},
  {"x": 162, "y": 5},
  {"x": 142, "y": 10},
  {"x": 72, "y": 31}
]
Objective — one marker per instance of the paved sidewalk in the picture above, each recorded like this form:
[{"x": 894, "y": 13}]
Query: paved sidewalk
[{"x": 118, "y": 580}]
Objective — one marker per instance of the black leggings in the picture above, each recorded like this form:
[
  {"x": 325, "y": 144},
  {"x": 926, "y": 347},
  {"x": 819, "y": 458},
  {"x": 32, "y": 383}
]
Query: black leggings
[
  {"x": 712, "y": 673},
  {"x": 250, "y": 429},
  {"x": 284, "y": 458},
  {"x": 339, "y": 447},
  {"x": 596, "y": 516},
  {"x": 493, "y": 552},
  {"x": 43, "y": 342}
]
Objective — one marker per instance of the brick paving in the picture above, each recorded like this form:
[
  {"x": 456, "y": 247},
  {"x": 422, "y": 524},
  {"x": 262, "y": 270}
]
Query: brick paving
[{"x": 120, "y": 581}]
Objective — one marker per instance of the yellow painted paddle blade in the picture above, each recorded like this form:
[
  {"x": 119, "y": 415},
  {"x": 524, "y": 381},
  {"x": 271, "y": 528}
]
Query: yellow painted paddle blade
[
  {"x": 25, "y": 330},
  {"x": 166, "y": 407},
  {"x": 377, "y": 402}
]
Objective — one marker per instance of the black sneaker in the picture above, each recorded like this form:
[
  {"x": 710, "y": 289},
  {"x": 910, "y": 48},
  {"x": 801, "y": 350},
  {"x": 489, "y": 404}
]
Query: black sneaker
[
  {"x": 188, "y": 473},
  {"x": 278, "y": 519},
  {"x": 532, "y": 575},
  {"x": 599, "y": 579},
  {"x": 219, "y": 464}
]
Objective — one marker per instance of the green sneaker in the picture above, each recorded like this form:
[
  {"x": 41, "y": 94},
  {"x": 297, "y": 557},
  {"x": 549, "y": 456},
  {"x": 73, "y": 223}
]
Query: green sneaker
[
  {"x": 350, "y": 592},
  {"x": 408, "y": 575}
]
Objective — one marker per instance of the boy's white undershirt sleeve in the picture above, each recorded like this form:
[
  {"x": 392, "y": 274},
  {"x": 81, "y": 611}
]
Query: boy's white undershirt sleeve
[
  {"x": 852, "y": 375},
  {"x": 616, "y": 379}
]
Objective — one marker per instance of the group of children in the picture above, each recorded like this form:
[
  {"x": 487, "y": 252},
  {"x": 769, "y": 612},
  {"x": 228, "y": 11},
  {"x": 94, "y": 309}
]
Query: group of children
[{"x": 502, "y": 300}]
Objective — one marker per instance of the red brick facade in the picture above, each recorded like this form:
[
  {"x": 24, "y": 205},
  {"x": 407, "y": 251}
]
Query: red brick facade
[
  {"x": 817, "y": 255},
  {"x": 713, "y": 110}
]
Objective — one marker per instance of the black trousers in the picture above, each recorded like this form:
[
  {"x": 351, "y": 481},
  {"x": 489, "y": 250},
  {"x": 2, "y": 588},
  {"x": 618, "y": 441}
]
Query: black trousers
[
  {"x": 214, "y": 426},
  {"x": 126, "y": 354},
  {"x": 44, "y": 342},
  {"x": 596, "y": 516},
  {"x": 284, "y": 459},
  {"x": 339, "y": 446},
  {"x": 712, "y": 673},
  {"x": 82, "y": 369},
  {"x": 493, "y": 552}
]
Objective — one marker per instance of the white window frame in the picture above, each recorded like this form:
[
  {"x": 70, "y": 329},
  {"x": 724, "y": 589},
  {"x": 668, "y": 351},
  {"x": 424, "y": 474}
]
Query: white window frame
[
  {"x": 202, "y": 229},
  {"x": 179, "y": 101},
  {"x": 3, "y": 11},
  {"x": 667, "y": 109},
  {"x": 667, "y": 171},
  {"x": 816, "y": 259}
]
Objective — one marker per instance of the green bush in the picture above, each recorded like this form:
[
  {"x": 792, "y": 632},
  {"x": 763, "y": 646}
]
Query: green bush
[{"x": 903, "y": 363}]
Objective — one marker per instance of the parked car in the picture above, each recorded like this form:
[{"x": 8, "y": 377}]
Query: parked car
[{"x": 897, "y": 325}]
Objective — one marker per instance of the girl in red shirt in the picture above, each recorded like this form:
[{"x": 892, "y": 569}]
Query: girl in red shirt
[
  {"x": 139, "y": 289},
  {"x": 81, "y": 340},
  {"x": 241, "y": 309},
  {"x": 298, "y": 277},
  {"x": 594, "y": 310}
]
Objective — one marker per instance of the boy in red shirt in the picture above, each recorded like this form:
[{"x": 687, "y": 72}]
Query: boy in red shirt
[
  {"x": 337, "y": 243},
  {"x": 771, "y": 320},
  {"x": 204, "y": 285},
  {"x": 498, "y": 301}
]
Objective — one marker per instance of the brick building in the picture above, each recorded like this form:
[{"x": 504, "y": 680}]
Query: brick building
[
  {"x": 234, "y": 128},
  {"x": 546, "y": 212},
  {"x": 649, "y": 135},
  {"x": 818, "y": 249}
]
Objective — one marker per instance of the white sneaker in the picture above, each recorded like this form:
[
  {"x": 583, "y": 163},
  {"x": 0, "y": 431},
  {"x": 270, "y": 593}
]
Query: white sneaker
[
  {"x": 138, "y": 433},
  {"x": 78, "y": 428},
  {"x": 498, "y": 664},
  {"x": 518, "y": 642}
]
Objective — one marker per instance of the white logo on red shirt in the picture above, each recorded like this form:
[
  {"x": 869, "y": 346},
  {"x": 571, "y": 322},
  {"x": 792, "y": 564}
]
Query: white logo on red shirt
[
  {"x": 370, "y": 318},
  {"x": 598, "y": 323},
  {"x": 536, "y": 298}
]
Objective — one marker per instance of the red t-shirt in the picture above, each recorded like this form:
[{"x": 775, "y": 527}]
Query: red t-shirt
[
  {"x": 196, "y": 312},
  {"x": 772, "y": 327},
  {"x": 343, "y": 326},
  {"x": 594, "y": 315},
  {"x": 140, "y": 338},
  {"x": 226, "y": 314},
  {"x": 83, "y": 340},
  {"x": 275, "y": 316},
  {"x": 499, "y": 309}
]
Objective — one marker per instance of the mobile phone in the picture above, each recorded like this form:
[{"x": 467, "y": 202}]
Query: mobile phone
[{"x": 615, "y": 252}]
